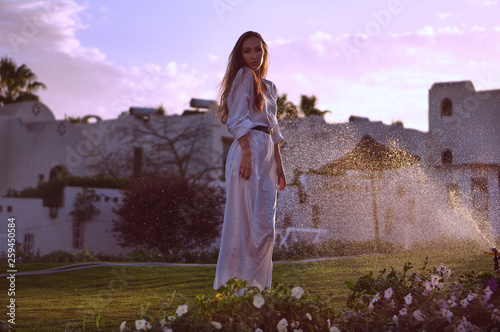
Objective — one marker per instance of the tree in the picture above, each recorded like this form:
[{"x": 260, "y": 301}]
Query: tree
[
  {"x": 178, "y": 144},
  {"x": 286, "y": 108},
  {"x": 83, "y": 207},
  {"x": 17, "y": 84},
  {"x": 167, "y": 212},
  {"x": 308, "y": 106}
]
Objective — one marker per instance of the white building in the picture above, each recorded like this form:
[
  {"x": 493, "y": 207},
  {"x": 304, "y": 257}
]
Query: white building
[
  {"x": 453, "y": 191},
  {"x": 36, "y": 147}
]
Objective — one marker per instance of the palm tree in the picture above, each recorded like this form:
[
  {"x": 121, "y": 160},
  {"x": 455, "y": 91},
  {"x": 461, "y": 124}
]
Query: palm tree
[
  {"x": 307, "y": 106},
  {"x": 286, "y": 108},
  {"x": 17, "y": 83}
]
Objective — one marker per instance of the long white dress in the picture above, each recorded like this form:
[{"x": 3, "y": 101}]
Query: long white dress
[{"x": 248, "y": 230}]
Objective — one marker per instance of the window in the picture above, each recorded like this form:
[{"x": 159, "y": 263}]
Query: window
[
  {"x": 315, "y": 216},
  {"x": 77, "y": 234},
  {"x": 452, "y": 195},
  {"x": 411, "y": 211},
  {"x": 447, "y": 157},
  {"x": 29, "y": 242},
  {"x": 55, "y": 172},
  {"x": 480, "y": 196},
  {"x": 480, "y": 203},
  {"x": 446, "y": 107},
  {"x": 388, "y": 221}
]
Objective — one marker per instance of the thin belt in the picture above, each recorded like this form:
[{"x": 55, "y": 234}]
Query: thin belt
[{"x": 264, "y": 129}]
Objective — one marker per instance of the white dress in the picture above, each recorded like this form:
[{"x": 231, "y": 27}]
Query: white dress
[{"x": 248, "y": 230}]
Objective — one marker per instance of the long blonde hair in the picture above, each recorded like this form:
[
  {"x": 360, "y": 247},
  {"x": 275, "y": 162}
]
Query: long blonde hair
[{"x": 235, "y": 63}]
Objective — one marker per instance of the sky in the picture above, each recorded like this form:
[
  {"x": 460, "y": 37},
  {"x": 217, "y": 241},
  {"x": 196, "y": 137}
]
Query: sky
[{"x": 368, "y": 58}]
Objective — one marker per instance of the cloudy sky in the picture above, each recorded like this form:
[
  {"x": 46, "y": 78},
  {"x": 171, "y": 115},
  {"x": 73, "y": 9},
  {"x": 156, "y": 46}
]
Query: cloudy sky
[{"x": 360, "y": 57}]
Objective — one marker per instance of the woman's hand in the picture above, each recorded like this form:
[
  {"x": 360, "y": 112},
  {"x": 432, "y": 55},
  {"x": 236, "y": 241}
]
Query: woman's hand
[
  {"x": 279, "y": 168},
  {"x": 281, "y": 177},
  {"x": 246, "y": 164}
]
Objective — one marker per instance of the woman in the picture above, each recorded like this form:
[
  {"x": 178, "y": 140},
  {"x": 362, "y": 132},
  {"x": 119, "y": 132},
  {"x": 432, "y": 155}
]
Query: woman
[{"x": 253, "y": 167}]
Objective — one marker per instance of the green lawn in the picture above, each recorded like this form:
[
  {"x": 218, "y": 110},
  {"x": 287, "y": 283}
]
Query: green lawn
[{"x": 51, "y": 302}]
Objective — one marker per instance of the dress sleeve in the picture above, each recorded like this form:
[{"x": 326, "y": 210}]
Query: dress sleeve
[
  {"x": 276, "y": 134},
  {"x": 239, "y": 104}
]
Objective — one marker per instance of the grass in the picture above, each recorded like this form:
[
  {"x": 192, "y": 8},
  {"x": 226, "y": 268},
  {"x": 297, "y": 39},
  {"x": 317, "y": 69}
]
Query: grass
[{"x": 72, "y": 299}]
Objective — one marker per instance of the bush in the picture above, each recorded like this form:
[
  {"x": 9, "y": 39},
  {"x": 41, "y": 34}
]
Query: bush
[
  {"x": 169, "y": 212},
  {"x": 426, "y": 300},
  {"x": 59, "y": 256},
  {"x": 331, "y": 248},
  {"x": 52, "y": 191}
]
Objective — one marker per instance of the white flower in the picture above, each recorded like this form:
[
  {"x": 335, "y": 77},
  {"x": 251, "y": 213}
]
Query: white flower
[
  {"x": 464, "y": 303},
  {"x": 217, "y": 325},
  {"x": 471, "y": 297},
  {"x": 308, "y": 315},
  {"x": 447, "y": 273},
  {"x": 258, "y": 301},
  {"x": 370, "y": 306},
  {"x": 460, "y": 328},
  {"x": 428, "y": 287},
  {"x": 258, "y": 330},
  {"x": 334, "y": 329},
  {"x": 376, "y": 298},
  {"x": 388, "y": 293},
  {"x": 452, "y": 304},
  {"x": 395, "y": 318},
  {"x": 495, "y": 315},
  {"x": 441, "y": 267},
  {"x": 299, "y": 330},
  {"x": 297, "y": 292},
  {"x": 122, "y": 326},
  {"x": 142, "y": 325},
  {"x": 487, "y": 293},
  {"x": 447, "y": 314},
  {"x": 392, "y": 304},
  {"x": 282, "y": 324},
  {"x": 171, "y": 318},
  {"x": 418, "y": 315},
  {"x": 403, "y": 312},
  {"x": 418, "y": 279},
  {"x": 435, "y": 279},
  {"x": 454, "y": 298},
  {"x": 181, "y": 310},
  {"x": 408, "y": 299},
  {"x": 166, "y": 329}
]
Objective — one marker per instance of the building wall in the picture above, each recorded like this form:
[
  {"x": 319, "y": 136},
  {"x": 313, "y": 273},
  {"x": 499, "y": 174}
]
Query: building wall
[
  {"x": 472, "y": 131},
  {"x": 50, "y": 234},
  {"x": 33, "y": 143}
]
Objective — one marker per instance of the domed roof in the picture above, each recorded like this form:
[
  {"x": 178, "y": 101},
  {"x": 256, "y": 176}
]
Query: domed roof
[{"x": 28, "y": 111}]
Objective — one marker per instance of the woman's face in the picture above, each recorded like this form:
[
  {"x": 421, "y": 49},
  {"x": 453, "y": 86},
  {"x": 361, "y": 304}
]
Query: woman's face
[{"x": 252, "y": 53}]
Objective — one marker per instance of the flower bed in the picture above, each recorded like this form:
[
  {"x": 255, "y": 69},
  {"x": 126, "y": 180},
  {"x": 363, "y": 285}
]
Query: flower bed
[{"x": 428, "y": 299}]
